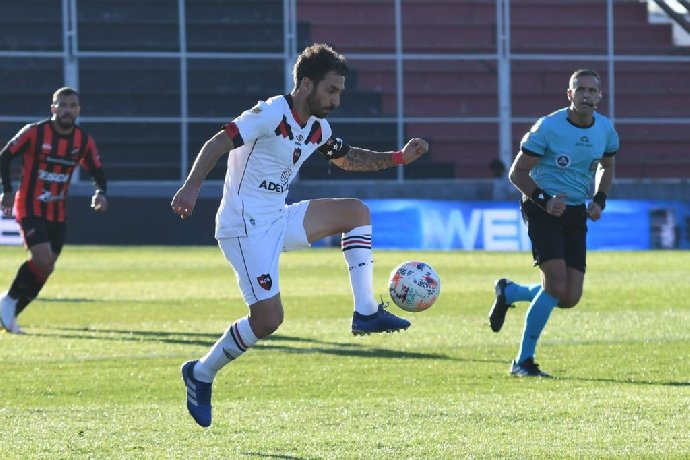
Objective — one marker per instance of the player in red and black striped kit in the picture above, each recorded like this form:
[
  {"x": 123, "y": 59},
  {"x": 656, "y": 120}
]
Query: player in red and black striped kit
[{"x": 51, "y": 150}]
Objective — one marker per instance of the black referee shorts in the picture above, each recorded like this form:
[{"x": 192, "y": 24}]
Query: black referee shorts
[{"x": 563, "y": 237}]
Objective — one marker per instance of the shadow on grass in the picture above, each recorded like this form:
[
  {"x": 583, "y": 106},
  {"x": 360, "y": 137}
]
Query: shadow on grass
[
  {"x": 67, "y": 299},
  {"x": 262, "y": 455},
  {"x": 276, "y": 342},
  {"x": 126, "y": 335},
  {"x": 623, "y": 381},
  {"x": 117, "y": 301}
]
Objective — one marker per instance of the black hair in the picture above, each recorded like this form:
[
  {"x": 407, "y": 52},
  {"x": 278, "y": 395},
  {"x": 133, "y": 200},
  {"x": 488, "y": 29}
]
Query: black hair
[
  {"x": 65, "y": 91},
  {"x": 316, "y": 61}
]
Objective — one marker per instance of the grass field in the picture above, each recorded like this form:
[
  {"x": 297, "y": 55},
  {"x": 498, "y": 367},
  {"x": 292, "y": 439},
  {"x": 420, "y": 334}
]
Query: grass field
[{"x": 97, "y": 375}]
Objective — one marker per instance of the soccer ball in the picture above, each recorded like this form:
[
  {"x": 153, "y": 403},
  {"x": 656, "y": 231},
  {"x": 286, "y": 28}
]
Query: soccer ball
[{"x": 414, "y": 286}]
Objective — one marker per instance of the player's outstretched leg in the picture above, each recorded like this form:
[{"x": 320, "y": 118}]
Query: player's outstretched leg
[
  {"x": 198, "y": 395},
  {"x": 368, "y": 317},
  {"x": 381, "y": 321},
  {"x": 497, "y": 315}
]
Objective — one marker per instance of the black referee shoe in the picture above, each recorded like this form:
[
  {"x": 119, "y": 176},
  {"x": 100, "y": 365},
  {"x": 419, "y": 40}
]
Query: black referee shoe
[
  {"x": 497, "y": 315},
  {"x": 527, "y": 368}
]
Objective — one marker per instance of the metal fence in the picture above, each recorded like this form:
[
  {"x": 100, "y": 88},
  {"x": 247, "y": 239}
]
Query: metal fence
[{"x": 410, "y": 39}]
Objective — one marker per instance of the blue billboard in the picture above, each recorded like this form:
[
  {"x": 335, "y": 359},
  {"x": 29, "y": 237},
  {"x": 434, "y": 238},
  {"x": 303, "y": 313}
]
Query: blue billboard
[
  {"x": 498, "y": 226},
  {"x": 483, "y": 225}
]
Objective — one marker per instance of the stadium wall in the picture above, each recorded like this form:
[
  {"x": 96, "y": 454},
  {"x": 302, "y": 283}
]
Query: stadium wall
[{"x": 141, "y": 214}]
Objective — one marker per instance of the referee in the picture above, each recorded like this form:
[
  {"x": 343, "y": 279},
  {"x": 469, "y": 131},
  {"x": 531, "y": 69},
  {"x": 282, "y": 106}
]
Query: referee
[{"x": 558, "y": 159}]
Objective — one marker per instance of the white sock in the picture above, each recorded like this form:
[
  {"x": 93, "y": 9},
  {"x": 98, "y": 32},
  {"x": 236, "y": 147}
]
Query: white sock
[
  {"x": 237, "y": 339},
  {"x": 356, "y": 246}
]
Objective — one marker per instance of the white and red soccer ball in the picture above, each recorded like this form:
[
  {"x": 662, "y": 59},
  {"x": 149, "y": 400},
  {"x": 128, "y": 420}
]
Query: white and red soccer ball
[{"x": 414, "y": 286}]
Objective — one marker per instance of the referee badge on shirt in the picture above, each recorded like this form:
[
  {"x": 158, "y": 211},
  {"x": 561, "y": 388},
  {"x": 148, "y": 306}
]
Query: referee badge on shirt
[{"x": 563, "y": 161}]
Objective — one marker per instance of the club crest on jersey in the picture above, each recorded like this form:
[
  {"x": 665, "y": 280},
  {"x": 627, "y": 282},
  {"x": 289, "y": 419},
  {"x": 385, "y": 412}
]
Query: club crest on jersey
[
  {"x": 265, "y": 281},
  {"x": 256, "y": 109},
  {"x": 563, "y": 161},
  {"x": 284, "y": 129}
]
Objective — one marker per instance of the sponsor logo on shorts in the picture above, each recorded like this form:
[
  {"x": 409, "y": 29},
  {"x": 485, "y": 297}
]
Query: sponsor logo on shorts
[{"x": 265, "y": 281}]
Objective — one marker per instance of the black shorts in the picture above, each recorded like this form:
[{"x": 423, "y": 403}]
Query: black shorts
[
  {"x": 563, "y": 237},
  {"x": 37, "y": 230}
]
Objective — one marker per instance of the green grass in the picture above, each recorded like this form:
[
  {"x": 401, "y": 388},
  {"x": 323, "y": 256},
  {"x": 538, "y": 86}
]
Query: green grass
[{"x": 97, "y": 376}]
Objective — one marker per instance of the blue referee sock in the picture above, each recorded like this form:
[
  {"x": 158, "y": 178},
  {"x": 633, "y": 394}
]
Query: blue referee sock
[
  {"x": 515, "y": 292},
  {"x": 538, "y": 314}
]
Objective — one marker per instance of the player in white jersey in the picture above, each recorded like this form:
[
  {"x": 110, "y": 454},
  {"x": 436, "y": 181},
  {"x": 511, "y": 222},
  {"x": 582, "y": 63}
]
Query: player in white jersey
[{"x": 267, "y": 145}]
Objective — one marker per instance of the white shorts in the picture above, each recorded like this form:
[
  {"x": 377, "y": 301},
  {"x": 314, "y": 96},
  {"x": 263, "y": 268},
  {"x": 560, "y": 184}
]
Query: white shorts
[{"x": 255, "y": 257}]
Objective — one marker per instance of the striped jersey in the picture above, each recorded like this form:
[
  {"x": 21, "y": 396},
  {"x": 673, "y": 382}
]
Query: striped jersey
[
  {"x": 49, "y": 161},
  {"x": 271, "y": 144},
  {"x": 568, "y": 154}
]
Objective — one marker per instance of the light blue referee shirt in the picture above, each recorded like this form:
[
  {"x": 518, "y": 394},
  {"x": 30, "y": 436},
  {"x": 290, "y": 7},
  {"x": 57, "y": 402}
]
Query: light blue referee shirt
[{"x": 568, "y": 154}]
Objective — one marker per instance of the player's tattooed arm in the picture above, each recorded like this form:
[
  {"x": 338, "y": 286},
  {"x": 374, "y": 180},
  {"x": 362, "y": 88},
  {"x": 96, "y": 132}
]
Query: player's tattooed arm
[{"x": 359, "y": 159}]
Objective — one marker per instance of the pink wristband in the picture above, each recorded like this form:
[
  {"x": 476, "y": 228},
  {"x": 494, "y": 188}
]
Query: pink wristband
[{"x": 397, "y": 157}]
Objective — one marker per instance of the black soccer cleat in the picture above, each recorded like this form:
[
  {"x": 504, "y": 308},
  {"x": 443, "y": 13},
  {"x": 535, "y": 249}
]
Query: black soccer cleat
[
  {"x": 497, "y": 315},
  {"x": 527, "y": 368}
]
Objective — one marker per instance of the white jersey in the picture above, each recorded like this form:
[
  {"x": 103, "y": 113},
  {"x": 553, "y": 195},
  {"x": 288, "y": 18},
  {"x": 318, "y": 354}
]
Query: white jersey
[{"x": 270, "y": 146}]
